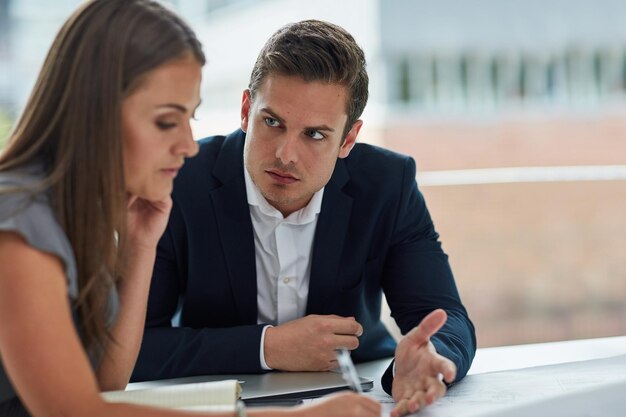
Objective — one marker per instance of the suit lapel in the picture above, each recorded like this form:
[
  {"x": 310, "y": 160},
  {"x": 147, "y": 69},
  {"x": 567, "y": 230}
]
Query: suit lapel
[
  {"x": 235, "y": 226},
  {"x": 330, "y": 235}
]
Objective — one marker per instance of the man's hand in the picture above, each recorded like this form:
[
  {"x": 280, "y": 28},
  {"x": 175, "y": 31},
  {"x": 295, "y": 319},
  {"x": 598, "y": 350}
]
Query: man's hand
[
  {"x": 420, "y": 370},
  {"x": 309, "y": 343}
]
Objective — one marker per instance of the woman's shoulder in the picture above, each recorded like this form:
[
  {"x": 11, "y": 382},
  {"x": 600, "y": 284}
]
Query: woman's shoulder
[
  {"x": 25, "y": 209},
  {"x": 23, "y": 176},
  {"x": 21, "y": 196}
]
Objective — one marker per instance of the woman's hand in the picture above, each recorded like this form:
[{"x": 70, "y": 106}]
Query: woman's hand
[
  {"x": 146, "y": 221},
  {"x": 346, "y": 404}
]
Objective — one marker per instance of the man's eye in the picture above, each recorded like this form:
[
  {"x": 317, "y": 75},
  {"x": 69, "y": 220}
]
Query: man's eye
[
  {"x": 272, "y": 122},
  {"x": 315, "y": 134}
]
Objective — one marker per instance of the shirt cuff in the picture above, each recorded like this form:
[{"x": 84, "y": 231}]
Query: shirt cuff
[{"x": 262, "y": 350}]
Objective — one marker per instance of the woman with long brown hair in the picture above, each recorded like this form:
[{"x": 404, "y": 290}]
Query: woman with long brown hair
[{"x": 85, "y": 185}]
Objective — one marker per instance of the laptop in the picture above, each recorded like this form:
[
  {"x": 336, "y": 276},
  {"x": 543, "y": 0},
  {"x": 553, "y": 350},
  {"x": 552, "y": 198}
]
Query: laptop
[
  {"x": 272, "y": 385},
  {"x": 284, "y": 385}
]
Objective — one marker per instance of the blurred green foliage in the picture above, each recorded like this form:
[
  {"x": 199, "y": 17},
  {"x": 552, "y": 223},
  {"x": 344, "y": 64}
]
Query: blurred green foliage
[{"x": 5, "y": 126}]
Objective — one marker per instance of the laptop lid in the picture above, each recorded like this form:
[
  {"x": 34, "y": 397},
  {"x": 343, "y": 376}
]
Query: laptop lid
[
  {"x": 276, "y": 385},
  {"x": 272, "y": 385}
]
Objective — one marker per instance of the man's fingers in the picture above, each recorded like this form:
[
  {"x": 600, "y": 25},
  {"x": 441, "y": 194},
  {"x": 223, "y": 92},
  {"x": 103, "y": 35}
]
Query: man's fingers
[
  {"x": 343, "y": 325},
  {"x": 445, "y": 367},
  {"x": 415, "y": 398},
  {"x": 401, "y": 408},
  {"x": 345, "y": 342},
  {"x": 416, "y": 402},
  {"x": 434, "y": 392},
  {"x": 428, "y": 327},
  {"x": 449, "y": 373},
  {"x": 410, "y": 405}
]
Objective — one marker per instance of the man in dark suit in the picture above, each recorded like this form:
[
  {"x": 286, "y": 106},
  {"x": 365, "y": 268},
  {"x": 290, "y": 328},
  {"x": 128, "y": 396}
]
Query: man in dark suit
[{"x": 284, "y": 235}]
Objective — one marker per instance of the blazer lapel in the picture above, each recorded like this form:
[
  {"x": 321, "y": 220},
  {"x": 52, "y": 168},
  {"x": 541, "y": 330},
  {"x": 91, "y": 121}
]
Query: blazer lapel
[
  {"x": 235, "y": 226},
  {"x": 328, "y": 243}
]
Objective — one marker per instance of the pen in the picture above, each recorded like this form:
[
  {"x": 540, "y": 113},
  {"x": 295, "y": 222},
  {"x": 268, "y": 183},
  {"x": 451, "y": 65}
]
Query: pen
[{"x": 348, "y": 371}]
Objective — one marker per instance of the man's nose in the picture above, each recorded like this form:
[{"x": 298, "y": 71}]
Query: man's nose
[{"x": 287, "y": 149}]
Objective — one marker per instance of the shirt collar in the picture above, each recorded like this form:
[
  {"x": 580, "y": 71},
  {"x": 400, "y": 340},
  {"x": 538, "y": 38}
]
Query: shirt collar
[{"x": 305, "y": 215}]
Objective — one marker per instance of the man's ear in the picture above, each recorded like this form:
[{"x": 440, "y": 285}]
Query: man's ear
[
  {"x": 350, "y": 139},
  {"x": 246, "y": 102}
]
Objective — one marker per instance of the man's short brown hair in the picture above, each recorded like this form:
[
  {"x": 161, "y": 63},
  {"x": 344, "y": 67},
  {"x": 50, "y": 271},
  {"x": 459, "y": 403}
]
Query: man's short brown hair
[{"x": 316, "y": 51}]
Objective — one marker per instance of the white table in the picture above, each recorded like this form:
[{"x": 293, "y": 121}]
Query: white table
[
  {"x": 482, "y": 385},
  {"x": 503, "y": 358},
  {"x": 537, "y": 354},
  {"x": 523, "y": 376}
]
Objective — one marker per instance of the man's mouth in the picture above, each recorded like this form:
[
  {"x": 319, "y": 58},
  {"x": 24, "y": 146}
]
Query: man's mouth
[{"x": 281, "y": 177}]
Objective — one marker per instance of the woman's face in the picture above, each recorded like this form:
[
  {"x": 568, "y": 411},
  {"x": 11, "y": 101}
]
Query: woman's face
[{"x": 156, "y": 133}]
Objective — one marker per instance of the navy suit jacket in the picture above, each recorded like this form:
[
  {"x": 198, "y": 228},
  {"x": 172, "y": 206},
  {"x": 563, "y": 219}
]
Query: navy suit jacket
[{"x": 373, "y": 234}]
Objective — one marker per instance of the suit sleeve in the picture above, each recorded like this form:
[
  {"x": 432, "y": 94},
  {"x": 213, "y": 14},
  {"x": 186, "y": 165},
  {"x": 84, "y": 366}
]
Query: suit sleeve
[
  {"x": 169, "y": 351},
  {"x": 418, "y": 279}
]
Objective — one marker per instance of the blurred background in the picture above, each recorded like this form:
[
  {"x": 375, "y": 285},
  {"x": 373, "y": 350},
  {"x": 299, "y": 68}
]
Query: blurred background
[{"x": 515, "y": 112}]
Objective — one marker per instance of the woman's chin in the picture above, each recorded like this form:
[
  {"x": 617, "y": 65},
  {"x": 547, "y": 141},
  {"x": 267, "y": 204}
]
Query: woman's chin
[{"x": 152, "y": 194}]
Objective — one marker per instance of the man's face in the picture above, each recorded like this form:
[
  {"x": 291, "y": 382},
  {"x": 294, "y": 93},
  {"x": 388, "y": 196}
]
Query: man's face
[{"x": 294, "y": 135}]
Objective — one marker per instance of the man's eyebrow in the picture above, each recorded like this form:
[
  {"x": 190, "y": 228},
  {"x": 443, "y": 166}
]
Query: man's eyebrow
[
  {"x": 273, "y": 114},
  {"x": 321, "y": 128},
  {"x": 269, "y": 111}
]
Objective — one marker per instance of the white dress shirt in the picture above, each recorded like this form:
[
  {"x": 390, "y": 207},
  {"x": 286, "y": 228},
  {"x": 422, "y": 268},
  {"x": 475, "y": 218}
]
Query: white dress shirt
[{"x": 283, "y": 248}]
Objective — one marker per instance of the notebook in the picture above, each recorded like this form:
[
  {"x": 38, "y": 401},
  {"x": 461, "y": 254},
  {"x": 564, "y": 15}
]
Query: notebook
[{"x": 214, "y": 396}]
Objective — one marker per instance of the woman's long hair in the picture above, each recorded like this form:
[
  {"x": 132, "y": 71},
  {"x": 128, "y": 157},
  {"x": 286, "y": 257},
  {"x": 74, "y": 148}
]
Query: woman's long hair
[{"x": 72, "y": 125}]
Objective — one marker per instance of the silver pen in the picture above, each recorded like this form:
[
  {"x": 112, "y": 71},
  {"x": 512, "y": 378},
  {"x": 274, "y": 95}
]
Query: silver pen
[{"x": 348, "y": 371}]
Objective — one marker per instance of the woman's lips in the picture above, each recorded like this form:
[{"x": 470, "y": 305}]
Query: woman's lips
[{"x": 171, "y": 172}]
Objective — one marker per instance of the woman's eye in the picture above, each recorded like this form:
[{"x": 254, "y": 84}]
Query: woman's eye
[
  {"x": 165, "y": 125},
  {"x": 272, "y": 122},
  {"x": 315, "y": 134}
]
